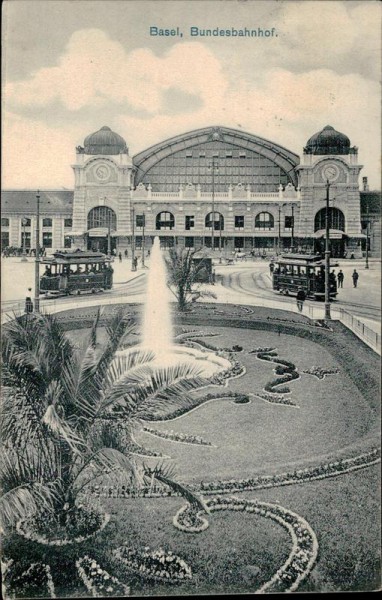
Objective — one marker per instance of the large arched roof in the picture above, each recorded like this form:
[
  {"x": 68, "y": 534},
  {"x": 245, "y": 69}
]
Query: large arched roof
[{"x": 283, "y": 158}]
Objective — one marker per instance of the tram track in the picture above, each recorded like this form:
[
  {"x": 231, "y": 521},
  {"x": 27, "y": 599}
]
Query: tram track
[{"x": 257, "y": 284}]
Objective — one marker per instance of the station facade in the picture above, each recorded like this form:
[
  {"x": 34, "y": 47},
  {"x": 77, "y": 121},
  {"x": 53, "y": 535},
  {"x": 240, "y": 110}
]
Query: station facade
[{"x": 214, "y": 187}]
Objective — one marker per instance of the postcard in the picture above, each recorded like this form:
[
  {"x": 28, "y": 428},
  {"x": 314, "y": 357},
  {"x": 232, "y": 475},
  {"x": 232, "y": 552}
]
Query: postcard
[{"x": 190, "y": 304}]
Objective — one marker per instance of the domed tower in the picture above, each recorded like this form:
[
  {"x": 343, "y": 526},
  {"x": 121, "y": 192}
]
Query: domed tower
[
  {"x": 101, "y": 207},
  {"x": 329, "y": 161}
]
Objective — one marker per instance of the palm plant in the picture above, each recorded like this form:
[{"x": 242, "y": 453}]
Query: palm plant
[
  {"x": 184, "y": 275},
  {"x": 68, "y": 413}
]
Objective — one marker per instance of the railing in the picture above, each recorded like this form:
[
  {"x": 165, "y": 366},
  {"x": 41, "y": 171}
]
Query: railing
[{"x": 366, "y": 334}]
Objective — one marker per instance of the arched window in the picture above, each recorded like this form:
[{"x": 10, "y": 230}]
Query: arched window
[
  {"x": 336, "y": 219},
  {"x": 218, "y": 220},
  {"x": 164, "y": 220},
  {"x": 102, "y": 216},
  {"x": 264, "y": 220}
]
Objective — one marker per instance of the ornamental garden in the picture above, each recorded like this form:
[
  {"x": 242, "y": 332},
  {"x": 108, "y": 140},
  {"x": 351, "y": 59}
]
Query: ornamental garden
[{"x": 121, "y": 478}]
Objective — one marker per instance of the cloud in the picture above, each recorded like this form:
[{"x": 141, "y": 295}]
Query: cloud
[
  {"x": 318, "y": 72},
  {"x": 96, "y": 70}
]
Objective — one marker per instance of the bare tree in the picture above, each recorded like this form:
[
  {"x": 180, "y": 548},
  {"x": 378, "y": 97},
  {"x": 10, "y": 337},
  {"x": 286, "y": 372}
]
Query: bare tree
[{"x": 187, "y": 276}]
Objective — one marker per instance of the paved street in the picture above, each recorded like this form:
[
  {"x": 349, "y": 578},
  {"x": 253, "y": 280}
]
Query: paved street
[{"x": 246, "y": 282}]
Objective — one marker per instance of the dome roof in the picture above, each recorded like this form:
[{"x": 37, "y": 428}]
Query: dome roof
[
  {"x": 328, "y": 141},
  {"x": 104, "y": 141}
]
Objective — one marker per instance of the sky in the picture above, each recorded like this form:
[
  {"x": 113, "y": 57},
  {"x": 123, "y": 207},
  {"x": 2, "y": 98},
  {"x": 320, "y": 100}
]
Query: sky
[{"x": 73, "y": 66}]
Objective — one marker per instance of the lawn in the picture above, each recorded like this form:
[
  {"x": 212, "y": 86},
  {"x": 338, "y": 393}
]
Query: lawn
[{"x": 333, "y": 417}]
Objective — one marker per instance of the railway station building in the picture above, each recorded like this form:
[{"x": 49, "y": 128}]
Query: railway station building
[{"x": 214, "y": 187}]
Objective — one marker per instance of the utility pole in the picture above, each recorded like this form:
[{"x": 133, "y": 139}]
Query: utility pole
[
  {"x": 220, "y": 237},
  {"x": 367, "y": 237},
  {"x": 109, "y": 235},
  {"x": 214, "y": 169},
  {"x": 37, "y": 258},
  {"x": 327, "y": 255},
  {"x": 143, "y": 240},
  {"x": 133, "y": 267},
  {"x": 24, "y": 258},
  {"x": 292, "y": 237},
  {"x": 279, "y": 238}
]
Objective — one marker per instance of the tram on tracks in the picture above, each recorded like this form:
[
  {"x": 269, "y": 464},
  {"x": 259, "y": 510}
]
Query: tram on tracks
[
  {"x": 292, "y": 271},
  {"x": 76, "y": 272}
]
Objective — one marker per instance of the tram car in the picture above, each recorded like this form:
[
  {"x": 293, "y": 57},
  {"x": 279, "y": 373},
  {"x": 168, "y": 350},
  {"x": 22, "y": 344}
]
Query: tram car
[
  {"x": 292, "y": 271},
  {"x": 76, "y": 272}
]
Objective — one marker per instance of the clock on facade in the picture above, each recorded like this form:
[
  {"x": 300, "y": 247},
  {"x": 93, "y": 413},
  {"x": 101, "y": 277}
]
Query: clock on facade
[
  {"x": 102, "y": 172},
  {"x": 330, "y": 172}
]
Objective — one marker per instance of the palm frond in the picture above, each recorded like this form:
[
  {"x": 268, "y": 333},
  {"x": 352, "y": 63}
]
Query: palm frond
[
  {"x": 166, "y": 475},
  {"x": 62, "y": 430},
  {"x": 23, "y": 501}
]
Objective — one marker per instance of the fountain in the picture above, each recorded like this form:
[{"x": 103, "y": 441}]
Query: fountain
[{"x": 157, "y": 330}]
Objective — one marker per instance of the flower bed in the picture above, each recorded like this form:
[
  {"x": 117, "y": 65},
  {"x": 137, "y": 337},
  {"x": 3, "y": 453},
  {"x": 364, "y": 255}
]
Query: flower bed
[
  {"x": 173, "y": 436},
  {"x": 285, "y": 368},
  {"x": 321, "y": 372},
  {"x": 275, "y": 398},
  {"x": 292, "y": 477},
  {"x": 189, "y": 519},
  {"x": 157, "y": 565},
  {"x": 304, "y": 542},
  {"x": 124, "y": 491},
  {"x": 45, "y": 528},
  {"x": 36, "y": 580},
  {"x": 98, "y": 581}
]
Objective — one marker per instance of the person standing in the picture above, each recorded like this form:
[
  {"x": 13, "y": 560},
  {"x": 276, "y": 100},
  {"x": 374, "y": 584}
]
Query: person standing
[
  {"x": 340, "y": 279},
  {"x": 126, "y": 253},
  {"x": 28, "y": 301},
  {"x": 355, "y": 277},
  {"x": 301, "y": 296},
  {"x": 120, "y": 256}
]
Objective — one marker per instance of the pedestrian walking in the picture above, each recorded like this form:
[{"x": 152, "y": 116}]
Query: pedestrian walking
[
  {"x": 340, "y": 279},
  {"x": 301, "y": 296},
  {"x": 355, "y": 277},
  {"x": 28, "y": 301},
  {"x": 271, "y": 267},
  {"x": 126, "y": 253},
  {"x": 135, "y": 262},
  {"x": 120, "y": 256}
]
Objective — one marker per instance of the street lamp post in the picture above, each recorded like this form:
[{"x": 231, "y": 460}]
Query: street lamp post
[
  {"x": 143, "y": 240},
  {"x": 109, "y": 235},
  {"x": 367, "y": 238},
  {"x": 279, "y": 237},
  {"x": 133, "y": 267},
  {"x": 220, "y": 238},
  {"x": 214, "y": 169},
  {"x": 24, "y": 257},
  {"x": 292, "y": 233},
  {"x": 327, "y": 255},
  {"x": 37, "y": 258}
]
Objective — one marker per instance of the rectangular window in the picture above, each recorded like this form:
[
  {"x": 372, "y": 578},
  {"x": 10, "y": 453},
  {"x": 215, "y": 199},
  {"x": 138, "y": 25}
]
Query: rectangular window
[
  {"x": 4, "y": 222},
  {"x": 289, "y": 222},
  {"x": 47, "y": 239},
  {"x": 239, "y": 222},
  {"x": 4, "y": 239},
  {"x": 138, "y": 242},
  {"x": 47, "y": 222},
  {"x": 26, "y": 222},
  {"x": 189, "y": 242},
  {"x": 27, "y": 239},
  {"x": 68, "y": 223},
  {"x": 140, "y": 221},
  {"x": 67, "y": 241},
  {"x": 189, "y": 222}
]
